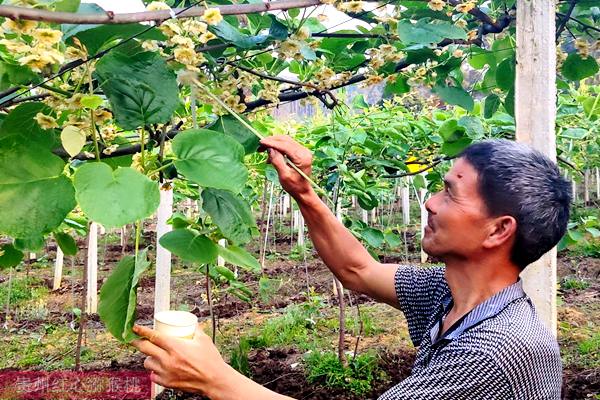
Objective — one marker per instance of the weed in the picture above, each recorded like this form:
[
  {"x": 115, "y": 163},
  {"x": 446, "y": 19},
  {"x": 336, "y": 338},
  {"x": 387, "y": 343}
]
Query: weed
[
  {"x": 571, "y": 282},
  {"x": 590, "y": 346},
  {"x": 21, "y": 290},
  {"x": 357, "y": 377}
]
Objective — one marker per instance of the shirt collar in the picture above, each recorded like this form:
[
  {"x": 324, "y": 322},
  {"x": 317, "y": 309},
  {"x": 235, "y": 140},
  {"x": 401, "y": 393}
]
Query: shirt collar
[{"x": 489, "y": 308}]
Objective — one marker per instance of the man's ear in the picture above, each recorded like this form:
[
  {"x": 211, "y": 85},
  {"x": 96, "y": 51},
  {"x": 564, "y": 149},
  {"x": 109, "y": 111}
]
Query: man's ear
[{"x": 502, "y": 229}]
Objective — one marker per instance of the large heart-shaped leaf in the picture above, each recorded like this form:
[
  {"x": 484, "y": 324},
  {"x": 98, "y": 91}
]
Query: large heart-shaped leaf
[
  {"x": 426, "y": 31},
  {"x": 114, "y": 198},
  {"x": 141, "y": 88},
  {"x": 230, "y": 126},
  {"x": 240, "y": 257},
  {"x": 230, "y": 213},
  {"x": 210, "y": 159},
  {"x": 118, "y": 297},
  {"x": 94, "y": 39},
  {"x": 20, "y": 122},
  {"x": 190, "y": 246},
  {"x": 35, "y": 196}
]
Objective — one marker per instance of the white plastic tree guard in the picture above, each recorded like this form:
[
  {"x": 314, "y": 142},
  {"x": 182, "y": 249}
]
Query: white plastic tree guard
[
  {"x": 535, "y": 115},
  {"x": 58, "y": 267},
  {"x": 91, "y": 304},
  {"x": 422, "y": 199},
  {"x": 162, "y": 283},
  {"x": 405, "y": 192}
]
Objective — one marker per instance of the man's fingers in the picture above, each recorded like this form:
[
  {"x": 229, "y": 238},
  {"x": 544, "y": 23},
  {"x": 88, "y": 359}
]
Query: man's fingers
[
  {"x": 152, "y": 364},
  {"x": 153, "y": 336},
  {"x": 278, "y": 161},
  {"x": 148, "y": 348},
  {"x": 286, "y": 145}
]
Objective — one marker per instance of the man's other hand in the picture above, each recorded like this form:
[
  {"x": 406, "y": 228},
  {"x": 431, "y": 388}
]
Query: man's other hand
[
  {"x": 284, "y": 146},
  {"x": 189, "y": 365}
]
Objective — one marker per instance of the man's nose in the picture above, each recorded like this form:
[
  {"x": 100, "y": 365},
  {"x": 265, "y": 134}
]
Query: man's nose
[{"x": 430, "y": 203}]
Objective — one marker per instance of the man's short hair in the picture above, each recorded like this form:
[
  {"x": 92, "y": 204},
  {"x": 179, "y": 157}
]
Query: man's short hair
[{"x": 515, "y": 180}]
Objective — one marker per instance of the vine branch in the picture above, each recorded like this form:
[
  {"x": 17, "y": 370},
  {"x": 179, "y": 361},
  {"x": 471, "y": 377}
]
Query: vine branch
[{"x": 109, "y": 17}]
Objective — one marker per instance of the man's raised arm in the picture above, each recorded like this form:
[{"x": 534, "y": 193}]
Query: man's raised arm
[{"x": 343, "y": 254}]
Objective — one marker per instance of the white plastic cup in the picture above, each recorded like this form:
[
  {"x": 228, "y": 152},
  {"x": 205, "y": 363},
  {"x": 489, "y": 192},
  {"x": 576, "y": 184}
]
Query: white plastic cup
[{"x": 180, "y": 324}]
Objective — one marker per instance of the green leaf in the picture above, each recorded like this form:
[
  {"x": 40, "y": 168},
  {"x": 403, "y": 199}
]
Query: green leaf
[
  {"x": 9, "y": 256},
  {"x": 67, "y": 5},
  {"x": 359, "y": 102},
  {"x": 96, "y": 38},
  {"x": 190, "y": 246},
  {"x": 31, "y": 243},
  {"x": 225, "y": 272},
  {"x": 399, "y": 86},
  {"x": 230, "y": 126},
  {"x": 374, "y": 237},
  {"x": 452, "y": 149},
  {"x": 67, "y": 244},
  {"x": 240, "y": 257},
  {"x": 230, "y": 213},
  {"x": 455, "y": 96},
  {"x": 210, "y": 159},
  {"x": 35, "y": 196},
  {"x": 277, "y": 30},
  {"x": 141, "y": 88},
  {"x": 591, "y": 106},
  {"x": 118, "y": 297},
  {"x": 15, "y": 74},
  {"x": 479, "y": 58},
  {"x": 575, "y": 68},
  {"x": 473, "y": 126},
  {"x": 450, "y": 131},
  {"x": 229, "y": 33},
  {"x": 91, "y": 101},
  {"x": 505, "y": 74},
  {"x": 392, "y": 240},
  {"x": 425, "y": 31},
  {"x": 491, "y": 105},
  {"x": 114, "y": 198},
  {"x": 509, "y": 103},
  {"x": 574, "y": 133},
  {"x": 594, "y": 232},
  {"x": 20, "y": 122}
]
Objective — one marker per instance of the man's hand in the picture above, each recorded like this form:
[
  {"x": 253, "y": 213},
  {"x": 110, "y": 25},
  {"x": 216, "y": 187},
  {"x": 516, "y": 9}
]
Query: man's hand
[
  {"x": 189, "y": 365},
  {"x": 291, "y": 181}
]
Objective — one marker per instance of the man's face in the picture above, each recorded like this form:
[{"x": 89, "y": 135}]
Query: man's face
[{"x": 458, "y": 220}]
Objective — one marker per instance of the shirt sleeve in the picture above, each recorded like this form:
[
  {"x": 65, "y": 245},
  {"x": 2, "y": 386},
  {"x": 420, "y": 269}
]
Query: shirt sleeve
[
  {"x": 419, "y": 291},
  {"x": 471, "y": 376}
]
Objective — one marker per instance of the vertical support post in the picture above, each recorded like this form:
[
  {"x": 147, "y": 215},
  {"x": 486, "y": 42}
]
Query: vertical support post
[
  {"x": 405, "y": 192},
  {"x": 535, "y": 117},
  {"x": 162, "y": 283},
  {"x": 422, "y": 199},
  {"x": 597, "y": 183},
  {"x": 91, "y": 306},
  {"x": 58, "y": 267}
]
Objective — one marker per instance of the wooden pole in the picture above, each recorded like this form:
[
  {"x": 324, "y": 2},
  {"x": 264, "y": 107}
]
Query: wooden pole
[
  {"x": 58, "y": 267},
  {"x": 535, "y": 117},
  {"x": 91, "y": 306},
  {"x": 162, "y": 283}
]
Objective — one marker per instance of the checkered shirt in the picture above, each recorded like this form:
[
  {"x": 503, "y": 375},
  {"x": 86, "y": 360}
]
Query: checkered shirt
[{"x": 500, "y": 350}]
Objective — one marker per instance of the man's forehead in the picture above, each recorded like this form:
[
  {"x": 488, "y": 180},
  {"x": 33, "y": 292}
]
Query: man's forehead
[{"x": 462, "y": 173}]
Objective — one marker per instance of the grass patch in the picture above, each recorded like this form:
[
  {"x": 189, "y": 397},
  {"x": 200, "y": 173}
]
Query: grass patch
[
  {"x": 574, "y": 283},
  {"x": 357, "y": 377},
  {"x": 21, "y": 290}
]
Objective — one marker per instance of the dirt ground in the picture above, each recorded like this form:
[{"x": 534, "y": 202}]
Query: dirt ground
[{"x": 41, "y": 332}]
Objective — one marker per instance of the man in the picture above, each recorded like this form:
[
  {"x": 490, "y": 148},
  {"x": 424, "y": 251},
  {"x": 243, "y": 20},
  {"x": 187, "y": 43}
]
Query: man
[{"x": 479, "y": 337}]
